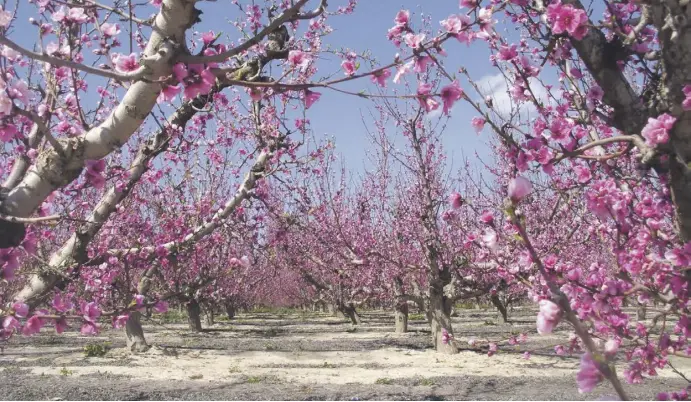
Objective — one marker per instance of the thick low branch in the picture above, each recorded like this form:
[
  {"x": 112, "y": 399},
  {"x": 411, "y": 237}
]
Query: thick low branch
[
  {"x": 52, "y": 170},
  {"x": 56, "y": 61}
]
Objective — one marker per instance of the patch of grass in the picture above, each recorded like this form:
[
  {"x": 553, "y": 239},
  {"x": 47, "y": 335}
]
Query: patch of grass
[
  {"x": 254, "y": 380},
  {"x": 173, "y": 315},
  {"x": 427, "y": 382},
  {"x": 65, "y": 372},
  {"x": 269, "y": 347},
  {"x": 196, "y": 377},
  {"x": 351, "y": 330},
  {"x": 489, "y": 323},
  {"x": 328, "y": 365},
  {"x": 416, "y": 317},
  {"x": 96, "y": 349},
  {"x": 384, "y": 381},
  {"x": 12, "y": 370},
  {"x": 234, "y": 369}
]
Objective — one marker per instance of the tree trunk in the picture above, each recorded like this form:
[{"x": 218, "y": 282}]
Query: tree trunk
[
  {"x": 332, "y": 309},
  {"x": 401, "y": 315},
  {"x": 349, "y": 311},
  {"x": 477, "y": 303},
  {"x": 209, "y": 316},
  {"x": 193, "y": 315},
  {"x": 136, "y": 342},
  {"x": 640, "y": 313},
  {"x": 438, "y": 316},
  {"x": 503, "y": 316},
  {"x": 230, "y": 310}
]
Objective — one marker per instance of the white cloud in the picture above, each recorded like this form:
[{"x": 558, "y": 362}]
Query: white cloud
[{"x": 497, "y": 88}]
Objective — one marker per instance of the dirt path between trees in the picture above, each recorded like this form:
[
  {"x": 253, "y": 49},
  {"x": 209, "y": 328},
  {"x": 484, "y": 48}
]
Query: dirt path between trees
[{"x": 305, "y": 357}]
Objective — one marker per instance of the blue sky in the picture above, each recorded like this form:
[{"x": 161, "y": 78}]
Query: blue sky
[{"x": 339, "y": 116}]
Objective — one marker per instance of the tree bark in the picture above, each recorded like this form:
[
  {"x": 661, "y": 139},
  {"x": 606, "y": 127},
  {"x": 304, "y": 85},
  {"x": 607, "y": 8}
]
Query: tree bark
[
  {"x": 193, "y": 315},
  {"x": 209, "y": 317},
  {"x": 230, "y": 310},
  {"x": 439, "y": 317},
  {"x": 136, "y": 343},
  {"x": 401, "y": 316},
  {"x": 500, "y": 307},
  {"x": 349, "y": 311},
  {"x": 641, "y": 312}
]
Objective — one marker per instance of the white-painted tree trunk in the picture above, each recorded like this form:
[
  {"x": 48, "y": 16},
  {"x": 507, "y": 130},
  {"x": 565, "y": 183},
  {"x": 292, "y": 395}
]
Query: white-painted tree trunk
[{"x": 136, "y": 343}]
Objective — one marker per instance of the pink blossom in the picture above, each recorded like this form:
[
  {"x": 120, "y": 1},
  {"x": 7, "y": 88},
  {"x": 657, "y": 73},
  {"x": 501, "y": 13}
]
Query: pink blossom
[
  {"x": 492, "y": 349},
  {"x": 33, "y": 326},
  {"x": 208, "y": 37},
  {"x": 10, "y": 323},
  {"x": 21, "y": 310},
  {"x": 109, "y": 30},
  {"x": 526, "y": 355},
  {"x": 160, "y": 307},
  {"x": 487, "y": 217},
  {"x": 402, "y": 17},
  {"x": 455, "y": 200},
  {"x": 156, "y": 3},
  {"x": 77, "y": 15},
  {"x": 686, "y": 103},
  {"x": 486, "y": 23},
  {"x": 20, "y": 90},
  {"x": 507, "y": 53},
  {"x": 199, "y": 84},
  {"x": 120, "y": 321},
  {"x": 94, "y": 170},
  {"x": 445, "y": 336},
  {"x": 168, "y": 93},
  {"x": 125, "y": 63},
  {"x": 402, "y": 70},
  {"x": 478, "y": 123},
  {"x": 5, "y": 18},
  {"x": 454, "y": 24},
  {"x": 380, "y": 77},
  {"x": 611, "y": 346},
  {"x": 548, "y": 317},
  {"x": 426, "y": 102},
  {"x": 489, "y": 239},
  {"x": 60, "y": 325},
  {"x": 91, "y": 312},
  {"x": 8, "y": 132},
  {"x": 180, "y": 72},
  {"x": 450, "y": 94},
  {"x": 348, "y": 67},
  {"x": 60, "y": 14},
  {"x": 245, "y": 261},
  {"x": 89, "y": 328},
  {"x": 421, "y": 64},
  {"x": 311, "y": 97},
  {"x": 414, "y": 41},
  {"x": 582, "y": 173},
  {"x": 10, "y": 53},
  {"x": 519, "y": 188},
  {"x": 299, "y": 59},
  {"x": 5, "y": 103},
  {"x": 567, "y": 19},
  {"x": 256, "y": 94},
  {"x": 657, "y": 129},
  {"x": 61, "y": 304},
  {"x": 588, "y": 376}
]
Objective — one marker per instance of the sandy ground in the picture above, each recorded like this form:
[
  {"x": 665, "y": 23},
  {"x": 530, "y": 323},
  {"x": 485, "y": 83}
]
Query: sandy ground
[{"x": 304, "y": 357}]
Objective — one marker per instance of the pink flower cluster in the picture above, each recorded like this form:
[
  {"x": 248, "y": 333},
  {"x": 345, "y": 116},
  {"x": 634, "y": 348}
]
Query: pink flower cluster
[
  {"x": 567, "y": 19},
  {"x": 657, "y": 130},
  {"x": 548, "y": 317}
]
